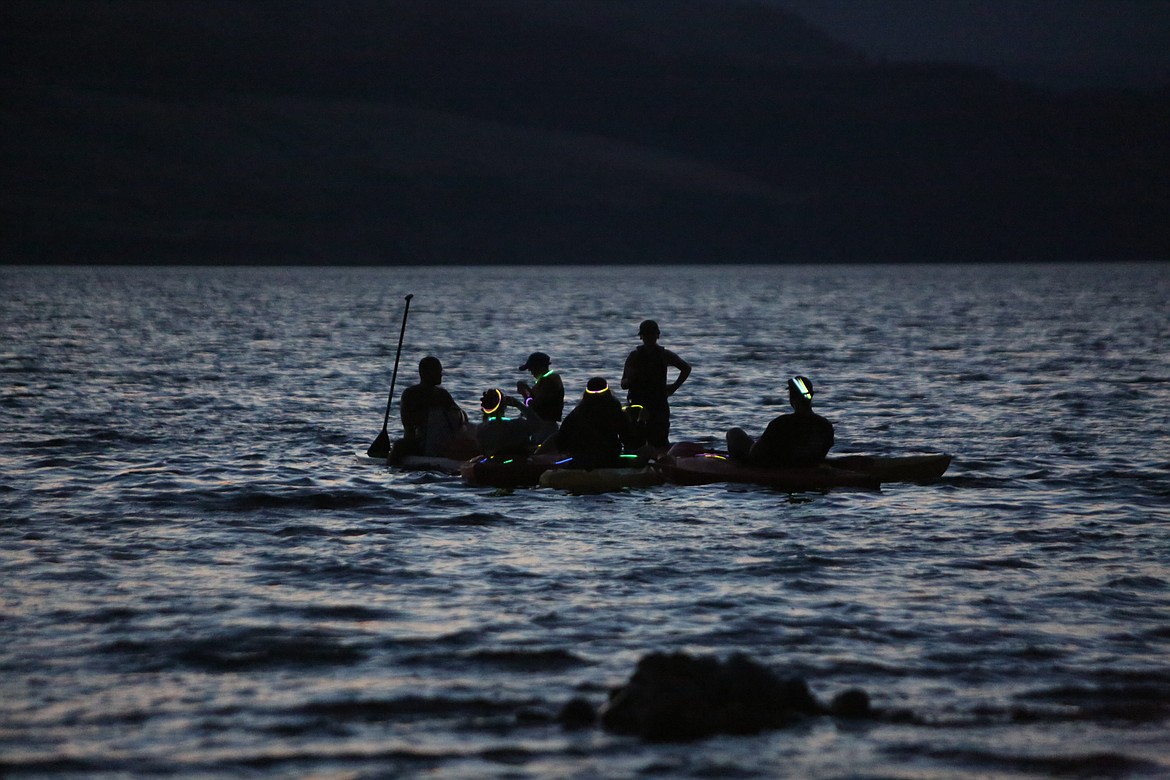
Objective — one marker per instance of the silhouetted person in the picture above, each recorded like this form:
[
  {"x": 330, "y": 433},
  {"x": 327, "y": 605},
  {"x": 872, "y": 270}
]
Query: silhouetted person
[
  {"x": 597, "y": 429},
  {"x": 431, "y": 420},
  {"x": 796, "y": 440},
  {"x": 644, "y": 376},
  {"x": 500, "y": 433},
  {"x": 494, "y": 405},
  {"x": 545, "y": 399}
]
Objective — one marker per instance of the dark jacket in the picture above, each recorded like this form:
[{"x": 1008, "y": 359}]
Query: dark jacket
[
  {"x": 548, "y": 398},
  {"x": 794, "y": 441},
  {"x": 595, "y": 431}
]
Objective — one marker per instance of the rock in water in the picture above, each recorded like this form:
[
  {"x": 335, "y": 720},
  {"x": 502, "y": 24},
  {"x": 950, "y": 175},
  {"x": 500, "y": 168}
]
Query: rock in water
[
  {"x": 678, "y": 697},
  {"x": 851, "y": 704},
  {"x": 576, "y": 714}
]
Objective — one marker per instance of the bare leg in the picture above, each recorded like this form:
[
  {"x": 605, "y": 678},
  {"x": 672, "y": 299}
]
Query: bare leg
[{"x": 739, "y": 444}]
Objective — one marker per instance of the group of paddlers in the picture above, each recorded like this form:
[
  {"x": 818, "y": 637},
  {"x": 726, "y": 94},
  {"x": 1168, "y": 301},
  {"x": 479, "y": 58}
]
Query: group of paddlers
[{"x": 599, "y": 429}]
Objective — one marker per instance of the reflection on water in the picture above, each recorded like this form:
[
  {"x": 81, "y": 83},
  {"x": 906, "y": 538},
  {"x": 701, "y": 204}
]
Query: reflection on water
[{"x": 199, "y": 578}]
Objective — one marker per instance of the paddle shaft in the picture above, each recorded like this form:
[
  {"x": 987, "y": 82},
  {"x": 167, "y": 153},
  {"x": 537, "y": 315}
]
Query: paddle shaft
[{"x": 397, "y": 355}]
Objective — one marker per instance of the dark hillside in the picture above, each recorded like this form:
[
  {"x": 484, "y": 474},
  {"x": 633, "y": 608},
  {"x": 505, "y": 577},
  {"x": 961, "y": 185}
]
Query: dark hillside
[{"x": 542, "y": 131}]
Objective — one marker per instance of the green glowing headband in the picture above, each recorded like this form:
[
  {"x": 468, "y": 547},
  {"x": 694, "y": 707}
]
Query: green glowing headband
[{"x": 800, "y": 387}]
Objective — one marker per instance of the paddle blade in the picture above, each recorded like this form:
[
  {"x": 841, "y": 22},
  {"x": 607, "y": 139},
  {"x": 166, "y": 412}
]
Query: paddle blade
[{"x": 381, "y": 446}]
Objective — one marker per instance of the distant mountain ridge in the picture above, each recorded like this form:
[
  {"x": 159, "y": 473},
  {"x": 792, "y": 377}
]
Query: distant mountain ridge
[{"x": 530, "y": 131}]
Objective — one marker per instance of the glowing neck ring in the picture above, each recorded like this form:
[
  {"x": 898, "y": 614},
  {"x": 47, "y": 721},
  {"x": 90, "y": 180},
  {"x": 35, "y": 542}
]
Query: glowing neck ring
[{"x": 499, "y": 402}]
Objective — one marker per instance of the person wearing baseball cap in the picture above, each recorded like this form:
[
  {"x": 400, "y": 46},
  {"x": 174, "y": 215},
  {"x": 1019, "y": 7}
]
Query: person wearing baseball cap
[{"x": 545, "y": 398}]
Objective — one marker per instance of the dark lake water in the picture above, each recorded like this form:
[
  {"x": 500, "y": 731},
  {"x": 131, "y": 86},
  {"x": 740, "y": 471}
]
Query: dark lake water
[{"x": 199, "y": 579}]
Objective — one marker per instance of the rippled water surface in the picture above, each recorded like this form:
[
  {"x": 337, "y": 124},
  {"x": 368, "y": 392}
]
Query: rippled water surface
[{"x": 199, "y": 579}]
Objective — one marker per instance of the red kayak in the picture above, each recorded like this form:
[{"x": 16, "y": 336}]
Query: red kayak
[
  {"x": 689, "y": 464},
  {"x": 708, "y": 467},
  {"x": 906, "y": 468}
]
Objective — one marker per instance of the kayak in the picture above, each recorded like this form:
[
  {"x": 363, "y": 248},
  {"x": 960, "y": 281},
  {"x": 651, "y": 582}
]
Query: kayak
[
  {"x": 705, "y": 468},
  {"x": 687, "y": 464},
  {"x": 601, "y": 480},
  {"x": 511, "y": 472},
  {"x": 907, "y": 468},
  {"x": 416, "y": 463},
  {"x": 507, "y": 472}
]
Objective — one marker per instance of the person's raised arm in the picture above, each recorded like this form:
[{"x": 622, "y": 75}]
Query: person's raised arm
[
  {"x": 627, "y": 371},
  {"x": 684, "y": 370}
]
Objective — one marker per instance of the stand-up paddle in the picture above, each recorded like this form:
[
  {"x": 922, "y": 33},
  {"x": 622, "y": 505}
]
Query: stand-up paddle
[{"x": 381, "y": 446}]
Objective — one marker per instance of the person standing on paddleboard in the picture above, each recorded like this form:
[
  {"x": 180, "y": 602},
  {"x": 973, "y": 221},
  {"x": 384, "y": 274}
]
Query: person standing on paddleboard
[
  {"x": 798, "y": 440},
  {"x": 644, "y": 377}
]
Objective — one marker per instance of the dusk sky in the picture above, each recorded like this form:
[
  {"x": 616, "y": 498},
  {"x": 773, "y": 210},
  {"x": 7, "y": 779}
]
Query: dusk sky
[{"x": 1056, "y": 42}]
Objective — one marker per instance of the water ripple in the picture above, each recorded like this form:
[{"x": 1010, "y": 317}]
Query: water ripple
[{"x": 199, "y": 579}]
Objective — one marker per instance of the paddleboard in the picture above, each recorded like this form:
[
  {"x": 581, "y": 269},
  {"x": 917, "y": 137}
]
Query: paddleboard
[{"x": 415, "y": 463}]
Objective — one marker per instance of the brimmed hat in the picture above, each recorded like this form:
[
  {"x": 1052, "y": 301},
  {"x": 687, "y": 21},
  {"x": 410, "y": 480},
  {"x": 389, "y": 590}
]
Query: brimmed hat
[{"x": 535, "y": 360}]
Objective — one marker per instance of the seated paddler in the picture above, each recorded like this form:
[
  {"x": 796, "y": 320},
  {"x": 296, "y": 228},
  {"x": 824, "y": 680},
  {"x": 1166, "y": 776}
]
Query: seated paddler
[
  {"x": 798, "y": 440},
  {"x": 597, "y": 431},
  {"x": 506, "y": 428},
  {"x": 432, "y": 423},
  {"x": 545, "y": 398}
]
